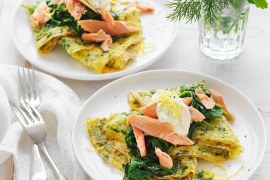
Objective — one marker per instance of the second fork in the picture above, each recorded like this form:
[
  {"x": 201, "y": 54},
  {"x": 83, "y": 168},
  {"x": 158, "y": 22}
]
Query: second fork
[
  {"x": 32, "y": 120},
  {"x": 28, "y": 88}
]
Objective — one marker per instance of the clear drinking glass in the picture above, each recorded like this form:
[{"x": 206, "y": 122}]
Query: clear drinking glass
[{"x": 223, "y": 38}]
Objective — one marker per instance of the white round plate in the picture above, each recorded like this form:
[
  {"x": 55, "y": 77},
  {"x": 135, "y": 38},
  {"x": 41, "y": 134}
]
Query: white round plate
[
  {"x": 157, "y": 31},
  {"x": 249, "y": 125}
]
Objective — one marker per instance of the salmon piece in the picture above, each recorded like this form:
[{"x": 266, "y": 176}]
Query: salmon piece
[
  {"x": 144, "y": 7},
  {"x": 150, "y": 111},
  {"x": 157, "y": 129},
  {"x": 125, "y": 3},
  {"x": 187, "y": 100},
  {"x": 100, "y": 36},
  {"x": 140, "y": 141},
  {"x": 75, "y": 8},
  {"x": 106, "y": 16},
  {"x": 102, "y": 7},
  {"x": 205, "y": 100},
  {"x": 120, "y": 27},
  {"x": 219, "y": 99},
  {"x": 164, "y": 158},
  {"x": 196, "y": 115},
  {"x": 41, "y": 15},
  {"x": 105, "y": 46}
]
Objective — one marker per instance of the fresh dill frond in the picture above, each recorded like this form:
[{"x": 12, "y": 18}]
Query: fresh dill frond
[
  {"x": 185, "y": 9},
  {"x": 191, "y": 10},
  {"x": 212, "y": 7}
]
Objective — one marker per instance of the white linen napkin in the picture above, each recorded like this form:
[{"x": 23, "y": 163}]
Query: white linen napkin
[{"x": 59, "y": 106}]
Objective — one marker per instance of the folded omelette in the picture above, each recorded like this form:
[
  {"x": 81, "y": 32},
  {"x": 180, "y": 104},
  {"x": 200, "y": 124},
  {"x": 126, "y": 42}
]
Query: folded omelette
[
  {"x": 216, "y": 144},
  {"x": 57, "y": 22},
  {"x": 116, "y": 142},
  {"x": 123, "y": 50},
  {"x": 107, "y": 136},
  {"x": 46, "y": 38}
]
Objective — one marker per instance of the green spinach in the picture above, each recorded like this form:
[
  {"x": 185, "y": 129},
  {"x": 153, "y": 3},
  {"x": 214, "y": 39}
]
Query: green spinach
[
  {"x": 145, "y": 167},
  {"x": 61, "y": 17},
  {"x": 216, "y": 112}
]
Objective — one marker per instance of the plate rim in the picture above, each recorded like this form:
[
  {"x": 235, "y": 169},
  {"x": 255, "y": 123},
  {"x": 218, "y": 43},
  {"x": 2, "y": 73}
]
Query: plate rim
[
  {"x": 260, "y": 118},
  {"x": 90, "y": 77}
]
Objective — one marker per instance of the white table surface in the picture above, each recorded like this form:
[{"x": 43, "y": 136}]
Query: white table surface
[{"x": 250, "y": 73}]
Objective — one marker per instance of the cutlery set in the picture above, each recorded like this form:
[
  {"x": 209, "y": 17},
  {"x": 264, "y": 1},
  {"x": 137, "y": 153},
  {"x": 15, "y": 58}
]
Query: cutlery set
[{"x": 32, "y": 122}]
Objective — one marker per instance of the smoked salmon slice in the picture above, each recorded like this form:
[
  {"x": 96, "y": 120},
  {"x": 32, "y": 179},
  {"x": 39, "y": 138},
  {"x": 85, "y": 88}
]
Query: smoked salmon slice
[
  {"x": 100, "y": 36},
  {"x": 150, "y": 111},
  {"x": 144, "y": 7},
  {"x": 219, "y": 99},
  {"x": 205, "y": 100},
  {"x": 105, "y": 46},
  {"x": 120, "y": 27},
  {"x": 41, "y": 15},
  {"x": 155, "y": 128},
  {"x": 75, "y": 8},
  {"x": 187, "y": 100},
  {"x": 164, "y": 158},
  {"x": 196, "y": 115},
  {"x": 106, "y": 16},
  {"x": 140, "y": 141}
]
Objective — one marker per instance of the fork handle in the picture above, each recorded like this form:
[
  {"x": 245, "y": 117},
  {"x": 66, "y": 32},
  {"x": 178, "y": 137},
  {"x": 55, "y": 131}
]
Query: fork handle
[{"x": 43, "y": 148}]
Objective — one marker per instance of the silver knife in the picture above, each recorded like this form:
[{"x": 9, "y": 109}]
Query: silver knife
[{"x": 38, "y": 171}]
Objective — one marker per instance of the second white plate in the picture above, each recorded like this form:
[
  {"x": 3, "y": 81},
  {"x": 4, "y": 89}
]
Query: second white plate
[
  {"x": 249, "y": 125},
  {"x": 157, "y": 31}
]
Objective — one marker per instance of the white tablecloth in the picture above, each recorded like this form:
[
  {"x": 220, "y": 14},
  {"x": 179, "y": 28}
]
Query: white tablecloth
[
  {"x": 59, "y": 106},
  {"x": 250, "y": 72}
]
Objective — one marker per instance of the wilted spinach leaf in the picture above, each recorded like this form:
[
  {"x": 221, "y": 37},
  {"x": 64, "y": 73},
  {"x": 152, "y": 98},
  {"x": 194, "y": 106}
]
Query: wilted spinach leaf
[
  {"x": 216, "y": 112},
  {"x": 61, "y": 17},
  {"x": 145, "y": 167}
]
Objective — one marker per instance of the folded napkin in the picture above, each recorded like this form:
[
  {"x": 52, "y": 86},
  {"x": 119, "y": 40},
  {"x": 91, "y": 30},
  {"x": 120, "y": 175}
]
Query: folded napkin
[{"x": 59, "y": 106}]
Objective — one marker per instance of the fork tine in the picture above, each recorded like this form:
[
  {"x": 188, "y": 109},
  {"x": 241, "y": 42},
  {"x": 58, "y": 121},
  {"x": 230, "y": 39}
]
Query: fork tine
[
  {"x": 26, "y": 116},
  {"x": 36, "y": 112},
  {"x": 20, "y": 118},
  {"x": 17, "y": 111},
  {"x": 21, "y": 86},
  {"x": 34, "y": 86},
  {"x": 26, "y": 85},
  {"x": 34, "y": 80},
  {"x": 30, "y": 113},
  {"x": 30, "y": 82}
]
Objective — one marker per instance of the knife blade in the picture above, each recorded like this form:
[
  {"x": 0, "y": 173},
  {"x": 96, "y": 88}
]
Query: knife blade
[{"x": 38, "y": 171}]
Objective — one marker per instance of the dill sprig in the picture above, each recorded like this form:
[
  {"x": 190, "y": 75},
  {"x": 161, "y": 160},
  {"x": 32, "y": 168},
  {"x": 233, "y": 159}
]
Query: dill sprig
[{"x": 192, "y": 10}]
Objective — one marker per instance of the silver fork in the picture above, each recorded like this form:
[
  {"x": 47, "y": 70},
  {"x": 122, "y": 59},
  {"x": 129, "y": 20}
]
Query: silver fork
[
  {"x": 30, "y": 118},
  {"x": 30, "y": 94},
  {"x": 28, "y": 90},
  {"x": 35, "y": 127}
]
